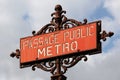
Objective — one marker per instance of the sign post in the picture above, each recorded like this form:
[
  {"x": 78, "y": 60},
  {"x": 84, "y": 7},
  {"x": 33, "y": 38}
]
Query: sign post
[{"x": 60, "y": 44}]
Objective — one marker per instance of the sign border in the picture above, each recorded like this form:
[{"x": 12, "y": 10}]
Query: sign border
[{"x": 87, "y": 52}]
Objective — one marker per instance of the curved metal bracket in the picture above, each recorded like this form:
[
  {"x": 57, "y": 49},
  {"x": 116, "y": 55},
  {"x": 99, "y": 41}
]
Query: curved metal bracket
[
  {"x": 70, "y": 62},
  {"x": 64, "y": 64}
]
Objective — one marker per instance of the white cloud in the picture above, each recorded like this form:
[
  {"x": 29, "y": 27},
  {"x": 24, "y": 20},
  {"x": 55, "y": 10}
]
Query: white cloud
[
  {"x": 113, "y": 6},
  {"x": 12, "y": 27},
  {"x": 103, "y": 66},
  {"x": 111, "y": 23}
]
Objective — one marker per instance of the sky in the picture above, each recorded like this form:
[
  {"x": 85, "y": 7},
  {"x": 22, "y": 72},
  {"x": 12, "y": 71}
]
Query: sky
[{"x": 18, "y": 18}]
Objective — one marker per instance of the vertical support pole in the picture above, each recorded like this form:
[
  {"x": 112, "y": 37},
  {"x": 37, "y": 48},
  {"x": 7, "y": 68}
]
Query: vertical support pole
[
  {"x": 58, "y": 66},
  {"x": 58, "y": 75}
]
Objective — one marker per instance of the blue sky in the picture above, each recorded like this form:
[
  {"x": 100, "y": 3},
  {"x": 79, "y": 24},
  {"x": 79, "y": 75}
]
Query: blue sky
[{"x": 18, "y": 18}]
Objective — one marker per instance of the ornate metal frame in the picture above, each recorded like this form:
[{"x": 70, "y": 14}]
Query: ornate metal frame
[{"x": 59, "y": 66}]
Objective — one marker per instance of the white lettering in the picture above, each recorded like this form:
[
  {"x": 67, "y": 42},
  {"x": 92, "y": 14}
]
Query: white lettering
[
  {"x": 56, "y": 38},
  {"x": 57, "y": 48},
  {"x": 25, "y": 44},
  {"x": 51, "y": 39},
  {"x": 83, "y": 33},
  {"x": 72, "y": 35},
  {"x": 41, "y": 52},
  {"x": 74, "y": 45},
  {"x": 90, "y": 32},
  {"x": 35, "y": 42},
  {"x": 66, "y": 47},
  {"x": 48, "y": 51},
  {"x": 66, "y": 35},
  {"x": 78, "y": 34},
  {"x": 40, "y": 41}
]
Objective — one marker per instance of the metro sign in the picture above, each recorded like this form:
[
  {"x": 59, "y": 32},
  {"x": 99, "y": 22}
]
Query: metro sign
[{"x": 84, "y": 39}]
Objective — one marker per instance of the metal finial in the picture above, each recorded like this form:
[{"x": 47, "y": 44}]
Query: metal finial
[
  {"x": 15, "y": 54},
  {"x": 105, "y": 34}
]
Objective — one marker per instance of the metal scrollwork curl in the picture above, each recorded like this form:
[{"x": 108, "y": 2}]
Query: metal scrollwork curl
[
  {"x": 69, "y": 62},
  {"x": 46, "y": 66},
  {"x": 46, "y": 29},
  {"x": 69, "y": 23}
]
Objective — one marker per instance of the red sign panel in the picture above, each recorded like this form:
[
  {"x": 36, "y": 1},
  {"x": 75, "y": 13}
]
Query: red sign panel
[{"x": 59, "y": 43}]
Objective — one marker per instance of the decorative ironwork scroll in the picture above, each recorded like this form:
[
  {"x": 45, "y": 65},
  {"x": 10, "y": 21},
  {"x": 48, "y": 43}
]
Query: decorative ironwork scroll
[
  {"x": 65, "y": 63},
  {"x": 59, "y": 22}
]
